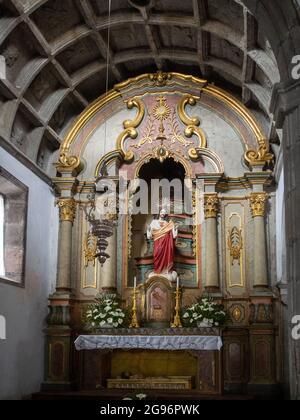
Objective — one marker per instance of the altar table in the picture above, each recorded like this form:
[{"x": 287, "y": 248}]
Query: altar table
[{"x": 172, "y": 342}]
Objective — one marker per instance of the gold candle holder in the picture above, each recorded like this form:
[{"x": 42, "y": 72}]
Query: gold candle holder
[
  {"x": 177, "y": 321},
  {"x": 134, "y": 319}
]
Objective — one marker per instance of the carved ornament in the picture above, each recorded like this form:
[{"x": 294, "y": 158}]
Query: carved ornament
[
  {"x": 211, "y": 206},
  {"x": 67, "y": 209},
  {"x": 259, "y": 157},
  {"x": 258, "y": 204},
  {"x": 235, "y": 244}
]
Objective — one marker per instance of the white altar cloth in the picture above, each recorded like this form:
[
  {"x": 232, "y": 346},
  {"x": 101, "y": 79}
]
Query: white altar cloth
[{"x": 167, "y": 342}]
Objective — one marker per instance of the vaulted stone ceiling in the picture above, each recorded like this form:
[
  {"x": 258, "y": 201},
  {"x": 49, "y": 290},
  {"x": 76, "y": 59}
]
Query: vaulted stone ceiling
[{"x": 56, "y": 58}]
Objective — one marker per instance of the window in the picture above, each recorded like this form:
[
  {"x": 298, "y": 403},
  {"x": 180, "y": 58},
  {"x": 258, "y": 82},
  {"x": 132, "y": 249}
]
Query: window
[{"x": 13, "y": 222}]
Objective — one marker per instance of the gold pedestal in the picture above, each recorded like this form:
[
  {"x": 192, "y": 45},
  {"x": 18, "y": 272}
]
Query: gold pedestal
[
  {"x": 134, "y": 319},
  {"x": 177, "y": 320}
]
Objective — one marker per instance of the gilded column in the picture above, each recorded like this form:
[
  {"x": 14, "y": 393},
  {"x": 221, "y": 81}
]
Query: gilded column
[
  {"x": 109, "y": 269},
  {"x": 258, "y": 208},
  {"x": 211, "y": 207},
  {"x": 67, "y": 214}
]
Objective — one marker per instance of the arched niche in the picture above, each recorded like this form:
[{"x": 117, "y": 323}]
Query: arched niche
[{"x": 158, "y": 302}]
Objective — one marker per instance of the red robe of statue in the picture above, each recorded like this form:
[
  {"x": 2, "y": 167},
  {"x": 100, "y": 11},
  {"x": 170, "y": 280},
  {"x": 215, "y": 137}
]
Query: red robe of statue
[{"x": 164, "y": 248}]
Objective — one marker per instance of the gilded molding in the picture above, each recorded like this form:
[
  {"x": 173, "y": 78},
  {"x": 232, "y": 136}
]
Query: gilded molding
[
  {"x": 259, "y": 157},
  {"x": 106, "y": 160},
  {"x": 151, "y": 78},
  {"x": 90, "y": 249},
  {"x": 188, "y": 100},
  {"x": 67, "y": 209},
  {"x": 130, "y": 128},
  {"x": 160, "y": 78},
  {"x": 85, "y": 117},
  {"x": 211, "y": 206},
  {"x": 68, "y": 164},
  {"x": 236, "y": 314},
  {"x": 192, "y": 124},
  {"x": 135, "y": 103},
  {"x": 235, "y": 244},
  {"x": 239, "y": 108},
  {"x": 258, "y": 204}
]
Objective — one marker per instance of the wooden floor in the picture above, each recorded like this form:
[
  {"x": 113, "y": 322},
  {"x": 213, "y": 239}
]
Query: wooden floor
[{"x": 109, "y": 395}]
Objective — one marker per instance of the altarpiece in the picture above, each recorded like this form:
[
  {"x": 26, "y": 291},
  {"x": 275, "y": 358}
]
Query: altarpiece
[{"x": 169, "y": 126}]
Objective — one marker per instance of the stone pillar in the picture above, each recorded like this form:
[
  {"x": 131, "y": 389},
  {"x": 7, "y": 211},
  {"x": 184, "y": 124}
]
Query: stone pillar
[
  {"x": 67, "y": 214},
  {"x": 291, "y": 152},
  {"x": 211, "y": 206},
  {"x": 258, "y": 205},
  {"x": 109, "y": 269}
]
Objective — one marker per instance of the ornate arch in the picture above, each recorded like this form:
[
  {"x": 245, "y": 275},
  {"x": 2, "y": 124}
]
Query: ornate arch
[{"x": 132, "y": 90}]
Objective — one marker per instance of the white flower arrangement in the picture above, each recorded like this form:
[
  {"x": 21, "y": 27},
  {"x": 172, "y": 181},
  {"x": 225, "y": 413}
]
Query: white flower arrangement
[
  {"x": 105, "y": 312},
  {"x": 205, "y": 313}
]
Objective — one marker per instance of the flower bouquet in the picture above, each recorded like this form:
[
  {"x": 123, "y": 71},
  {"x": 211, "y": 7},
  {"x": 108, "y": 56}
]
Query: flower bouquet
[
  {"x": 106, "y": 312},
  {"x": 205, "y": 313}
]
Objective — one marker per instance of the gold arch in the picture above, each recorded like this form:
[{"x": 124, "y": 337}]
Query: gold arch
[{"x": 71, "y": 163}]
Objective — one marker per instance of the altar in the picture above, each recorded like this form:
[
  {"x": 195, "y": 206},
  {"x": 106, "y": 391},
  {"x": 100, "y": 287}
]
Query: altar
[
  {"x": 150, "y": 342},
  {"x": 184, "y": 220},
  {"x": 186, "y": 359}
]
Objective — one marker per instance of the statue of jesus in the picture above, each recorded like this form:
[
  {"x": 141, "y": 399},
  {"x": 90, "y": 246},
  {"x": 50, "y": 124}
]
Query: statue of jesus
[{"x": 163, "y": 233}]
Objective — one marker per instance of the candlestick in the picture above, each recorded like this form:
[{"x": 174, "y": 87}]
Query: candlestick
[
  {"x": 134, "y": 319},
  {"x": 135, "y": 282},
  {"x": 177, "y": 321}
]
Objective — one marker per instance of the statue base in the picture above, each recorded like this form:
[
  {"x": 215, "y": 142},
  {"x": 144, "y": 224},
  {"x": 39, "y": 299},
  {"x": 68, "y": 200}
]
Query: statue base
[{"x": 171, "y": 277}]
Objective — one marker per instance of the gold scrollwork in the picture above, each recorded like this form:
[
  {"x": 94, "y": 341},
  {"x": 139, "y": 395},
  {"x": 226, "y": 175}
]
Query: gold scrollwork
[
  {"x": 211, "y": 206},
  {"x": 68, "y": 164},
  {"x": 235, "y": 244},
  {"x": 192, "y": 124},
  {"x": 259, "y": 157},
  {"x": 258, "y": 204},
  {"x": 90, "y": 249},
  {"x": 161, "y": 79},
  {"x": 175, "y": 135},
  {"x": 130, "y": 128},
  {"x": 187, "y": 100},
  {"x": 67, "y": 209},
  {"x": 194, "y": 153},
  {"x": 149, "y": 134},
  {"x": 135, "y": 103},
  {"x": 128, "y": 133}
]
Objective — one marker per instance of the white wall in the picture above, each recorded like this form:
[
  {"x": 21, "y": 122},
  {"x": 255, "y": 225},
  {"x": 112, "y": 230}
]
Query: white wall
[{"x": 25, "y": 310}]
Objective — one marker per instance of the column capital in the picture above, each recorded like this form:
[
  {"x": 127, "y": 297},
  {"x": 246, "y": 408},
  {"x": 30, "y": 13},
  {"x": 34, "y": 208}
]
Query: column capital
[
  {"x": 67, "y": 209},
  {"x": 211, "y": 205},
  {"x": 258, "y": 204}
]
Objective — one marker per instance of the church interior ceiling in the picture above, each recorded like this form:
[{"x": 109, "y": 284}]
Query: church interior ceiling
[{"x": 56, "y": 60}]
